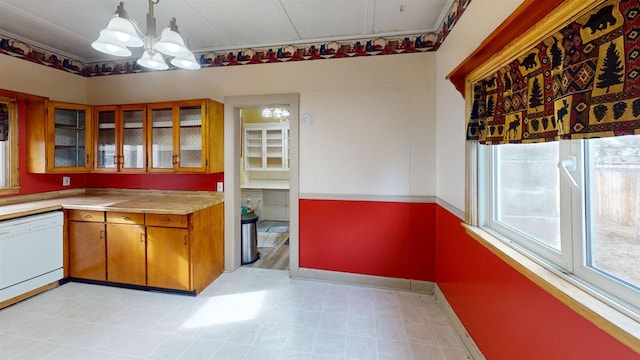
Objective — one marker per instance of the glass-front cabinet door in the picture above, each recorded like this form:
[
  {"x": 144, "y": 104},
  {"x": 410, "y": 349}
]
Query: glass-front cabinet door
[
  {"x": 69, "y": 131},
  {"x": 106, "y": 156},
  {"x": 177, "y": 136},
  {"x": 132, "y": 152},
  {"x": 161, "y": 156},
  {"x": 190, "y": 142},
  {"x": 120, "y": 138}
]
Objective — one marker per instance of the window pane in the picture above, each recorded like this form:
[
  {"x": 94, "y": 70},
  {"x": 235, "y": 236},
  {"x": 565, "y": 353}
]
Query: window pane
[
  {"x": 613, "y": 212},
  {"x": 527, "y": 191}
]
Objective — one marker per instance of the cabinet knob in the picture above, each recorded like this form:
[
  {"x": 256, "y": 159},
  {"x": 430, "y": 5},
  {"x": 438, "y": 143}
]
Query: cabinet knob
[
  {"x": 101, "y": 234},
  {"x": 126, "y": 218},
  {"x": 141, "y": 237}
]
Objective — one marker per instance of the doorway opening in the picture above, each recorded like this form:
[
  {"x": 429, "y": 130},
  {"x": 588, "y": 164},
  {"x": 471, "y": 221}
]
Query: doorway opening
[
  {"x": 261, "y": 176},
  {"x": 264, "y": 185}
]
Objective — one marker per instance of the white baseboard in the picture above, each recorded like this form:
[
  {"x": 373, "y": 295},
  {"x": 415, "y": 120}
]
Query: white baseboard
[
  {"x": 472, "y": 349},
  {"x": 420, "y": 286}
]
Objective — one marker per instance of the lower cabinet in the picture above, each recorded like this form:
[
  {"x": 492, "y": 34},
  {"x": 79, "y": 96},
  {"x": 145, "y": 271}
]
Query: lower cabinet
[
  {"x": 87, "y": 245},
  {"x": 168, "y": 258},
  {"x": 126, "y": 248},
  {"x": 177, "y": 252}
]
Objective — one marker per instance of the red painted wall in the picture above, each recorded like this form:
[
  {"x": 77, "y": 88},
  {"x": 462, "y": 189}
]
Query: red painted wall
[
  {"x": 507, "y": 315},
  {"x": 389, "y": 239},
  {"x": 36, "y": 183},
  {"x": 200, "y": 182}
]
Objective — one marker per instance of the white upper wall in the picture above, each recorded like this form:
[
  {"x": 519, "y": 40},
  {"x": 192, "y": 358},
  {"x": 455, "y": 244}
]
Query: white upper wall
[
  {"x": 26, "y": 77},
  {"x": 374, "y": 117},
  {"x": 477, "y": 22}
]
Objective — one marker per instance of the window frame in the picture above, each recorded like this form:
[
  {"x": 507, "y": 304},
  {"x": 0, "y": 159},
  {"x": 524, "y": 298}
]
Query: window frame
[
  {"x": 572, "y": 265},
  {"x": 11, "y": 176}
]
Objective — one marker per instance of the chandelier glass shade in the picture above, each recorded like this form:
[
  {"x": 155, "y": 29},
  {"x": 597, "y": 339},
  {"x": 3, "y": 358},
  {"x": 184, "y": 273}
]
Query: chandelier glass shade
[{"x": 122, "y": 33}]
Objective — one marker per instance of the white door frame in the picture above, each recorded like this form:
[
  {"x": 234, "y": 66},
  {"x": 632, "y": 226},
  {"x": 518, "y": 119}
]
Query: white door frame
[{"x": 232, "y": 144}]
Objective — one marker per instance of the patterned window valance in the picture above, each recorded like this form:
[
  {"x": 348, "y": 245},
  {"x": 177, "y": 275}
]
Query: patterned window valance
[
  {"x": 4, "y": 122},
  {"x": 579, "y": 82}
]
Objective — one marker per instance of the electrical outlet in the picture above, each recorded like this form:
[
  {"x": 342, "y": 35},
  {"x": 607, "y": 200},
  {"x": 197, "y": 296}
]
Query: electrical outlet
[
  {"x": 219, "y": 186},
  {"x": 66, "y": 180}
]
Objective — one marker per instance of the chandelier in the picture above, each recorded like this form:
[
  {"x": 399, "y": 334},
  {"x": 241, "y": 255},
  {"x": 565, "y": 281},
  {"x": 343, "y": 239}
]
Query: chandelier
[
  {"x": 275, "y": 112},
  {"x": 122, "y": 33}
]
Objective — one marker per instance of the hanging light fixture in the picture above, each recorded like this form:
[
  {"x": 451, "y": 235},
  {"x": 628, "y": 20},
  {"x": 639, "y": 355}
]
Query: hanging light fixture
[{"x": 122, "y": 32}]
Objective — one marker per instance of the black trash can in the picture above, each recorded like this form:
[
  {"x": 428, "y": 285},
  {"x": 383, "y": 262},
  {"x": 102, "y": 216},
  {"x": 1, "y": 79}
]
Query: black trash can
[{"x": 249, "y": 239}]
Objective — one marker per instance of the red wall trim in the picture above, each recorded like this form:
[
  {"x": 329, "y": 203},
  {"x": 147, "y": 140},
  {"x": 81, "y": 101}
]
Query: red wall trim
[
  {"x": 506, "y": 314},
  {"x": 390, "y": 239}
]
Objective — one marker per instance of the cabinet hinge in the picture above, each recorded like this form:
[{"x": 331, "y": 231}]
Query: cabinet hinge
[
  {"x": 206, "y": 162},
  {"x": 206, "y": 110}
]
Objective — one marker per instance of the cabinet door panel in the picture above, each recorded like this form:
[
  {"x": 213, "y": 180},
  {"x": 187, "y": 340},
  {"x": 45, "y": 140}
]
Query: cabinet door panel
[
  {"x": 69, "y": 137},
  {"x": 168, "y": 258},
  {"x": 87, "y": 253},
  {"x": 161, "y": 138},
  {"x": 126, "y": 261},
  {"x": 106, "y": 125},
  {"x": 133, "y": 152},
  {"x": 191, "y": 137}
]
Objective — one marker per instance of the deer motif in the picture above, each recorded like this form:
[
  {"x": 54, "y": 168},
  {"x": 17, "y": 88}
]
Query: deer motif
[
  {"x": 562, "y": 112},
  {"x": 513, "y": 126}
]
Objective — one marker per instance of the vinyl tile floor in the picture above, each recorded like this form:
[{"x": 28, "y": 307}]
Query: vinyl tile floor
[{"x": 248, "y": 314}]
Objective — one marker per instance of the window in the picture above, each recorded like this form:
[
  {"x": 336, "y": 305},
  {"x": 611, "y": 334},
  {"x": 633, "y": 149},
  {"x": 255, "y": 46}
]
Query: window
[
  {"x": 573, "y": 204},
  {"x": 8, "y": 146}
]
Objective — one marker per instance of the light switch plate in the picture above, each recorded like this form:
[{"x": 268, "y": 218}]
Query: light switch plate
[
  {"x": 66, "y": 180},
  {"x": 219, "y": 186}
]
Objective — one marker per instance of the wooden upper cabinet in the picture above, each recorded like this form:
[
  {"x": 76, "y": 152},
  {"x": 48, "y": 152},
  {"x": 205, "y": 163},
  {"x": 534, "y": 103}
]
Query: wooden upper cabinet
[
  {"x": 58, "y": 137},
  {"x": 186, "y": 136},
  {"x": 183, "y": 136},
  {"x": 119, "y": 135}
]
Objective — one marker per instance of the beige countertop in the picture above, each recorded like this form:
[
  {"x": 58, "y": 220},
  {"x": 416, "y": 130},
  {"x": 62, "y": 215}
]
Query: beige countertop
[{"x": 137, "y": 201}]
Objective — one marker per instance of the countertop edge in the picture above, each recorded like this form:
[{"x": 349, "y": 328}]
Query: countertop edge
[{"x": 133, "y": 204}]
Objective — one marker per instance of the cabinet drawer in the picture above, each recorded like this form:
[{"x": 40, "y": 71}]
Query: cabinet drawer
[
  {"x": 117, "y": 217},
  {"x": 167, "y": 220},
  {"x": 86, "y": 215}
]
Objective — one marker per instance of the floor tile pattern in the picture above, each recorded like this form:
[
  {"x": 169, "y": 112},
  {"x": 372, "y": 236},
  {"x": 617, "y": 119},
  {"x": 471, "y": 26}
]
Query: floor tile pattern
[{"x": 248, "y": 314}]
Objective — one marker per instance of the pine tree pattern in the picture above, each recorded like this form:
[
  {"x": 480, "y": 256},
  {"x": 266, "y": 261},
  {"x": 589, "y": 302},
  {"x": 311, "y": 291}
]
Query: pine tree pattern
[
  {"x": 490, "y": 107},
  {"x": 611, "y": 69},
  {"x": 535, "y": 99},
  {"x": 578, "y": 82},
  {"x": 556, "y": 54}
]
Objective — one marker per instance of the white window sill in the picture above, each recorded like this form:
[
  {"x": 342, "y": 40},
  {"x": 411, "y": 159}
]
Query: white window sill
[{"x": 617, "y": 324}]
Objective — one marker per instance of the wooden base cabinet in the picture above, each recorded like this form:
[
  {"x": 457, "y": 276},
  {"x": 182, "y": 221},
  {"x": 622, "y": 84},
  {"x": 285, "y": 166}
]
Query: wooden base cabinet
[
  {"x": 126, "y": 248},
  {"x": 177, "y": 252},
  {"x": 168, "y": 258},
  {"x": 87, "y": 245}
]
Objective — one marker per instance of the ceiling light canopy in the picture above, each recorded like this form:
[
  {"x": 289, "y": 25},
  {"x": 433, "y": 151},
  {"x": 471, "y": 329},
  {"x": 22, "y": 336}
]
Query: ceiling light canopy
[{"x": 122, "y": 32}]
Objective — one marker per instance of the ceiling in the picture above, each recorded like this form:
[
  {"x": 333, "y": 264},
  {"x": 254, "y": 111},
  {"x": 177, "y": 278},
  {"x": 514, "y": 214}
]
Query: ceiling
[{"x": 70, "y": 26}]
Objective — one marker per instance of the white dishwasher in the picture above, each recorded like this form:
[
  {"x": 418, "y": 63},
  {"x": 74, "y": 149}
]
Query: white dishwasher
[{"x": 30, "y": 253}]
